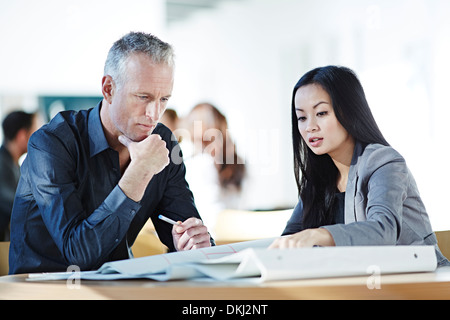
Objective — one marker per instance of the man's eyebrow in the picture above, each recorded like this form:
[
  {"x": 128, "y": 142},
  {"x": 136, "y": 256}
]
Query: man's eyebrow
[
  {"x": 143, "y": 93},
  {"x": 152, "y": 96},
  {"x": 319, "y": 103}
]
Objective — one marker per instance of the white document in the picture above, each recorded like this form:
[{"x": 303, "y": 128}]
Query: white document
[
  {"x": 158, "y": 267},
  {"x": 252, "y": 259}
]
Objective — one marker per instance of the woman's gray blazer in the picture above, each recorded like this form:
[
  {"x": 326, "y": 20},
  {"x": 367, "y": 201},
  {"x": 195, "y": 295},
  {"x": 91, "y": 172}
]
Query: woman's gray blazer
[{"x": 382, "y": 204}]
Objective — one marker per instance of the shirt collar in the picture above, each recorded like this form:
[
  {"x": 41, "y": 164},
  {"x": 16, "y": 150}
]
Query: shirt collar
[{"x": 97, "y": 139}]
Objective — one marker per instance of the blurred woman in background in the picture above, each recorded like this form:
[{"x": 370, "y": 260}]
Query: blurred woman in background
[{"x": 215, "y": 172}]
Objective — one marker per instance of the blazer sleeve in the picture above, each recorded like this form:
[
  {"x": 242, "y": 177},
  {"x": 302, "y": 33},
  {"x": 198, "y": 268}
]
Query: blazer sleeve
[
  {"x": 294, "y": 223},
  {"x": 381, "y": 191}
]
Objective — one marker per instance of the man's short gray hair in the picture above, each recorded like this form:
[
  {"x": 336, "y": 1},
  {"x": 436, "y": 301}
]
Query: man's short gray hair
[{"x": 136, "y": 42}]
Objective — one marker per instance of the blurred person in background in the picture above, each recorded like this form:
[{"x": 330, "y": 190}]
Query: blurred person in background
[
  {"x": 170, "y": 120},
  {"x": 17, "y": 129},
  {"x": 214, "y": 171}
]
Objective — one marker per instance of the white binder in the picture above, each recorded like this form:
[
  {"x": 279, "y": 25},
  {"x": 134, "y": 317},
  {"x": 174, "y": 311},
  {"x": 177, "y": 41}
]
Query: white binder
[{"x": 251, "y": 259}]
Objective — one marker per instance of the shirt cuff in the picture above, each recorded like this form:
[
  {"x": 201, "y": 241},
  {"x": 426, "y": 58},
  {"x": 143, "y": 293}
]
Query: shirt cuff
[{"x": 119, "y": 203}]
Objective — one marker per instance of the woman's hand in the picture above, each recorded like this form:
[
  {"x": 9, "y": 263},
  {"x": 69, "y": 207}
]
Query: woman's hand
[{"x": 305, "y": 238}]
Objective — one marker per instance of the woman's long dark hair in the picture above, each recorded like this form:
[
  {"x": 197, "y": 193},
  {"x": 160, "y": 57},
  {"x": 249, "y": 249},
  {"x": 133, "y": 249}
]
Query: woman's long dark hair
[{"x": 316, "y": 175}]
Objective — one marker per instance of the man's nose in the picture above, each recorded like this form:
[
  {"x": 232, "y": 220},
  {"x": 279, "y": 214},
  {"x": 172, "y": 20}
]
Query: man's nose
[{"x": 153, "y": 111}]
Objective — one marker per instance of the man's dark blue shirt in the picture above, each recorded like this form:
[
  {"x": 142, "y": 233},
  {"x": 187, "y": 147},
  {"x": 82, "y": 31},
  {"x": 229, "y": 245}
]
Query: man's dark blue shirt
[{"x": 69, "y": 209}]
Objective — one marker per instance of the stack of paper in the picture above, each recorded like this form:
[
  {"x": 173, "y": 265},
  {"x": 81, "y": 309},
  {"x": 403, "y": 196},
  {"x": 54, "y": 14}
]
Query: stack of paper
[{"x": 251, "y": 259}]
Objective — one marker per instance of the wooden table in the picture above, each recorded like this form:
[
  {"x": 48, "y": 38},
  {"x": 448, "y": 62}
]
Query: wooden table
[{"x": 433, "y": 285}]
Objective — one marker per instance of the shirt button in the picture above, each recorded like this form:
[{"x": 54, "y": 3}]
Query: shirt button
[{"x": 133, "y": 212}]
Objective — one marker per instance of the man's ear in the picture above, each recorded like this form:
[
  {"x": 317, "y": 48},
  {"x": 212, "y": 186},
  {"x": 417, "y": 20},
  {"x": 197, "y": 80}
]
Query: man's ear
[
  {"x": 108, "y": 88},
  {"x": 22, "y": 137}
]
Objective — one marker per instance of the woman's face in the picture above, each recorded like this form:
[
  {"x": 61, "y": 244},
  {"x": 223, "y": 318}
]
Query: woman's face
[{"x": 317, "y": 122}]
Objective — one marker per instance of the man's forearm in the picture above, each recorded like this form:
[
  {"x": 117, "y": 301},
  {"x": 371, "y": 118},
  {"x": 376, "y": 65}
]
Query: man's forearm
[{"x": 134, "y": 182}]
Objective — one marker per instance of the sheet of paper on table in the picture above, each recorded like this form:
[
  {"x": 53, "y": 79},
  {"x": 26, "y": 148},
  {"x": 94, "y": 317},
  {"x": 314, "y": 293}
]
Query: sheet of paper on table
[{"x": 252, "y": 259}]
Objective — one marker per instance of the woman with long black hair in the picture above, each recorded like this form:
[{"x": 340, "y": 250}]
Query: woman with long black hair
[{"x": 354, "y": 188}]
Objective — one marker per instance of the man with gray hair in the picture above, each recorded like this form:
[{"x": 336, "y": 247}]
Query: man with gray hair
[{"x": 93, "y": 178}]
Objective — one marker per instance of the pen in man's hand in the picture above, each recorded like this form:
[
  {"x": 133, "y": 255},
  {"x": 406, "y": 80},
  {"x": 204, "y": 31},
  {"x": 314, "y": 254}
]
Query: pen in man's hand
[{"x": 163, "y": 218}]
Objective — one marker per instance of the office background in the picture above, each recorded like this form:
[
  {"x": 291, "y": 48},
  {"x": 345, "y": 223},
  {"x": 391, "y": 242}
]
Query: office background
[{"x": 245, "y": 56}]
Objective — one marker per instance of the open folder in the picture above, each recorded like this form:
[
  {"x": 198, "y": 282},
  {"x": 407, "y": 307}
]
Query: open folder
[{"x": 252, "y": 259}]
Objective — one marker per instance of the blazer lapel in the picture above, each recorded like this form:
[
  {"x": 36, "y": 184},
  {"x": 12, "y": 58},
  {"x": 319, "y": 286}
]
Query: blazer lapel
[{"x": 350, "y": 191}]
